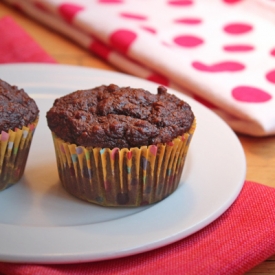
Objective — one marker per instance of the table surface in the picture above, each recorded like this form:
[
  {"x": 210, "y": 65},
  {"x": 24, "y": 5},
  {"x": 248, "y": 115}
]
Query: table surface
[{"x": 259, "y": 151}]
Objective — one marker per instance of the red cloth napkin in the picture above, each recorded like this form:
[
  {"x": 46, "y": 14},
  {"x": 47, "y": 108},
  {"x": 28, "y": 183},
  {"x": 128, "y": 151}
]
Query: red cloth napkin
[
  {"x": 241, "y": 238},
  {"x": 17, "y": 46}
]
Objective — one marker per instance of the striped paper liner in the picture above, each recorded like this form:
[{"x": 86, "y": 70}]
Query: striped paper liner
[
  {"x": 122, "y": 177},
  {"x": 14, "y": 150}
]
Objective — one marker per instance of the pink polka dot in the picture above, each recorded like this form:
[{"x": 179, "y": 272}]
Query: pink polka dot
[
  {"x": 237, "y": 28},
  {"x": 180, "y": 2},
  {"x": 69, "y": 11},
  {"x": 4, "y": 136},
  {"x": 114, "y": 152},
  {"x": 158, "y": 79},
  {"x": 250, "y": 94},
  {"x": 231, "y": 1},
  {"x": 107, "y": 185},
  {"x": 188, "y": 21},
  {"x": 122, "y": 39},
  {"x": 188, "y": 41},
  {"x": 153, "y": 149},
  {"x": 170, "y": 143},
  {"x": 238, "y": 48},
  {"x": 149, "y": 29},
  {"x": 110, "y": 1},
  {"x": 129, "y": 155},
  {"x": 100, "y": 49},
  {"x": 270, "y": 76},
  {"x": 226, "y": 66},
  {"x": 272, "y": 52},
  {"x": 31, "y": 126},
  {"x": 133, "y": 16}
]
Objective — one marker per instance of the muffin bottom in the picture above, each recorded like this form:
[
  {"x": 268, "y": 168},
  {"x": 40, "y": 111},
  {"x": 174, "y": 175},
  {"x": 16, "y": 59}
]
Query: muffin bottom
[
  {"x": 14, "y": 151},
  {"x": 122, "y": 177}
]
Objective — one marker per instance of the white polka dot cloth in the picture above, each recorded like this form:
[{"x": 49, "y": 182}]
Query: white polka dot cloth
[{"x": 220, "y": 52}]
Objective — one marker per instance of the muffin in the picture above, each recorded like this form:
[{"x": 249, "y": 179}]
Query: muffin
[
  {"x": 18, "y": 120},
  {"x": 120, "y": 146}
]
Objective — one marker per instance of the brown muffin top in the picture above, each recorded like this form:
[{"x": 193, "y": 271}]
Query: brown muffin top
[
  {"x": 17, "y": 109},
  {"x": 123, "y": 117}
]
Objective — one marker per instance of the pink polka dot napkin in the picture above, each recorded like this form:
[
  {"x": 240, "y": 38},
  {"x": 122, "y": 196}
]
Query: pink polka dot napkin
[
  {"x": 221, "y": 52},
  {"x": 240, "y": 239}
]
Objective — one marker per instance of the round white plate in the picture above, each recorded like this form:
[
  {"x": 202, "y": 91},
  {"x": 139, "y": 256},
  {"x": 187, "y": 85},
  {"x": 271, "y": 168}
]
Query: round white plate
[{"x": 41, "y": 223}]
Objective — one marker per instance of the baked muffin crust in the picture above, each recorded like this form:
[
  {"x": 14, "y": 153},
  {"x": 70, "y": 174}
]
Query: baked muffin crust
[
  {"x": 112, "y": 116},
  {"x": 17, "y": 109}
]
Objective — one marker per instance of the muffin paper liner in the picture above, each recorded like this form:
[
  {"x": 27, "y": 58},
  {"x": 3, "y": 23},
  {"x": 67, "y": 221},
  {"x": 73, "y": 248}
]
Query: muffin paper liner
[
  {"x": 14, "y": 150},
  {"x": 122, "y": 177}
]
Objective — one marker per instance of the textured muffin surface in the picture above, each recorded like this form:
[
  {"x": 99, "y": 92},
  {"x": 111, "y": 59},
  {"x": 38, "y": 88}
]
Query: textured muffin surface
[
  {"x": 17, "y": 109},
  {"x": 123, "y": 117}
]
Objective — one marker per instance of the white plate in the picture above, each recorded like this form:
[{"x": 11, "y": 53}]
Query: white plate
[{"x": 41, "y": 223}]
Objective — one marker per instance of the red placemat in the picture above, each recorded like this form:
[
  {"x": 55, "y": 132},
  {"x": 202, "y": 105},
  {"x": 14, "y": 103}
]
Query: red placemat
[
  {"x": 18, "y": 46},
  {"x": 241, "y": 238}
]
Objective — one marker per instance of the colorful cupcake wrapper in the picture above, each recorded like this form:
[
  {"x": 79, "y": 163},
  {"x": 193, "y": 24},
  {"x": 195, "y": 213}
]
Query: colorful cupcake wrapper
[
  {"x": 14, "y": 149},
  {"x": 122, "y": 177}
]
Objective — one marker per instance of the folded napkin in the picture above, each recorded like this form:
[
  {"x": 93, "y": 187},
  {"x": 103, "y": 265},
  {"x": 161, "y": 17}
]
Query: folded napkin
[
  {"x": 238, "y": 240},
  {"x": 218, "y": 51}
]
